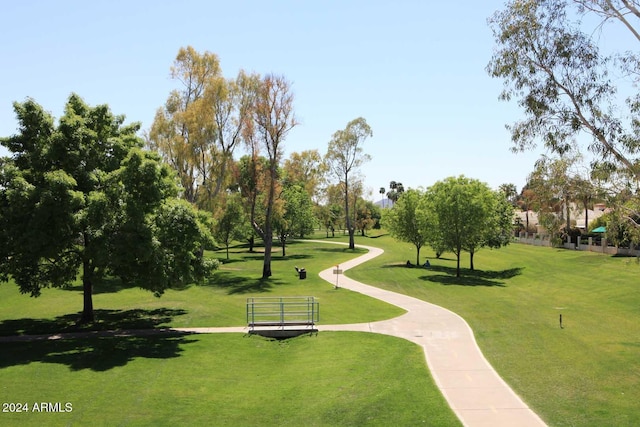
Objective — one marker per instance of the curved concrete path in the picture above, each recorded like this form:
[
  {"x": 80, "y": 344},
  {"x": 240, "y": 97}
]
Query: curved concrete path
[{"x": 473, "y": 389}]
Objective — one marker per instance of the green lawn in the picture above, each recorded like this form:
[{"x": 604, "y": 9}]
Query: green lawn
[
  {"x": 332, "y": 379},
  {"x": 586, "y": 374},
  {"x": 329, "y": 379},
  {"x": 219, "y": 302}
]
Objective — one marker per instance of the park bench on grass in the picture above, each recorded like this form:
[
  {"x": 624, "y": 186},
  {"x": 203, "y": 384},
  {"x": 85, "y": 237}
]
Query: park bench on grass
[{"x": 282, "y": 316}]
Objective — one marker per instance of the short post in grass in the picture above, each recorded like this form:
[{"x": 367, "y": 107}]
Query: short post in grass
[
  {"x": 337, "y": 272},
  {"x": 561, "y": 327}
]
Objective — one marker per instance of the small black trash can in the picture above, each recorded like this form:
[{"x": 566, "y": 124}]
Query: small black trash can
[{"x": 302, "y": 273}]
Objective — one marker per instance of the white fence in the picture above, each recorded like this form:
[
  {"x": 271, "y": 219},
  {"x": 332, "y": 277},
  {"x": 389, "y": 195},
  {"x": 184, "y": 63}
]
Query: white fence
[{"x": 592, "y": 245}]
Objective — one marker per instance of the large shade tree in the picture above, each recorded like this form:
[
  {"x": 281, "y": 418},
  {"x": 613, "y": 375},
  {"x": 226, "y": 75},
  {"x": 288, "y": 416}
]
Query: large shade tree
[
  {"x": 461, "y": 215},
  {"x": 81, "y": 194}
]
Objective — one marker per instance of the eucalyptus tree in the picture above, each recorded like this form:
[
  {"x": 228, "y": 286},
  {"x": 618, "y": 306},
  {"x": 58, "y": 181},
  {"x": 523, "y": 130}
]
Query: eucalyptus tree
[
  {"x": 344, "y": 156},
  {"x": 307, "y": 169},
  {"x": 273, "y": 118},
  {"x": 566, "y": 84},
  {"x": 82, "y": 194},
  {"x": 200, "y": 126},
  {"x": 553, "y": 184}
]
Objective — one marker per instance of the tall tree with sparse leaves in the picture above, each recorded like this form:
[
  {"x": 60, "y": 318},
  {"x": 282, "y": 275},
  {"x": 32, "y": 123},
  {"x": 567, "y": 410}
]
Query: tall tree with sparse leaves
[
  {"x": 201, "y": 124},
  {"x": 344, "y": 156},
  {"x": 567, "y": 86},
  {"x": 274, "y": 117}
]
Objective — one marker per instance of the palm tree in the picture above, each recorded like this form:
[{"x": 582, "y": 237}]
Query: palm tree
[
  {"x": 382, "y": 191},
  {"x": 396, "y": 190}
]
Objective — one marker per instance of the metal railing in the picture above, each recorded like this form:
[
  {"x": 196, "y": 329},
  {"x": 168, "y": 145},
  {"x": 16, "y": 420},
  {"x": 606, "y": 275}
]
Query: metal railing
[{"x": 282, "y": 312}]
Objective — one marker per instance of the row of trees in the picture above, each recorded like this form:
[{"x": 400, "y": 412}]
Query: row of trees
[
  {"x": 83, "y": 193},
  {"x": 457, "y": 214}
]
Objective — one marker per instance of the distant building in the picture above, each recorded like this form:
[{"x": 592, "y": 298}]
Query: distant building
[{"x": 577, "y": 217}]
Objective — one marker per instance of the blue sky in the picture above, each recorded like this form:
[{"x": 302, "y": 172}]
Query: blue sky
[{"x": 415, "y": 70}]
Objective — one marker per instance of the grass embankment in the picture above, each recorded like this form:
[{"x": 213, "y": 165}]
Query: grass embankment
[
  {"x": 330, "y": 379},
  {"x": 586, "y": 374}
]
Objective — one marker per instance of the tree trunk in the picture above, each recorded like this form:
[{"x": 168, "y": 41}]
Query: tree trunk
[
  {"x": 586, "y": 218},
  {"x": 458, "y": 264},
  {"x": 568, "y": 211},
  {"x": 266, "y": 267},
  {"x": 252, "y": 241},
  {"x": 87, "y": 292},
  {"x": 268, "y": 230},
  {"x": 227, "y": 251},
  {"x": 284, "y": 243},
  {"x": 471, "y": 253},
  {"x": 417, "y": 255},
  {"x": 268, "y": 245},
  {"x": 352, "y": 244}
]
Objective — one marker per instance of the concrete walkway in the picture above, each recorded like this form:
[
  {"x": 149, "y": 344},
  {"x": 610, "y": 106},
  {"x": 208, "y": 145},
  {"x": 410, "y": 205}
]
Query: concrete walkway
[{"x": 473, "y": 389}]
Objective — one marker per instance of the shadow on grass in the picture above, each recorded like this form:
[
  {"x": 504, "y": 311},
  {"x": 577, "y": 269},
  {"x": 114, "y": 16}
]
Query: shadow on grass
[
  {"x": 95, "y": 353},
  {"x": 378, "y": 236},
  {"x": 105, "y": 320},
  {"x": 442, "y": 258},
  {"x": 276, "y": 257},
  {"x": 470, "y": 277},
  {"x": 235, "y": 285},
  {"x": 447, "y": 275},
  {"x": 225, "y": 261},
  {"x": 342, "y": 250},
  {"x": 106, "y": 285}
]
